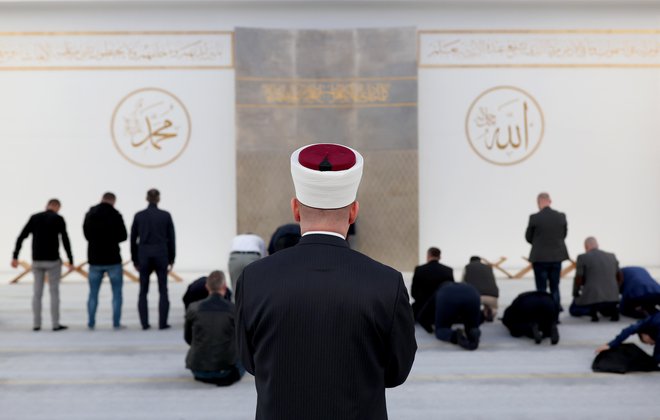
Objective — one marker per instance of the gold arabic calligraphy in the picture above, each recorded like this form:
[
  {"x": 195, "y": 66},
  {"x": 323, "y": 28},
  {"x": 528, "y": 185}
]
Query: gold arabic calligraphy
[
  {"x": 486, "y": 120},
  {"x": 156, "y": 123},
  {"x": 325, "y": 93}
]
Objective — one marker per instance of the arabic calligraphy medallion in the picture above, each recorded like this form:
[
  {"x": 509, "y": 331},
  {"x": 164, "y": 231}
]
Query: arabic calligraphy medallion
[
  {"x": 504, "y": 125},
  {"x": 150, "y": 127}
]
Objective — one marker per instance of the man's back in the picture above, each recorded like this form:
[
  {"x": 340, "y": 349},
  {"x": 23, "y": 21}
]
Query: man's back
[
  {"x": 155, "y": 230},
  {"x": 45, "y": 228},
  {"x": 637, "y": 282},
  {"x": 104, "y": 229},
  {"x": 598, "y": 268},
  {"x": 210, "y": 331},
  {"x": 324, "y": 329},
  {"x": 426, "y": 280},
  {"x": 482, "y": 278},
  {"x": 546, "y": 232}
]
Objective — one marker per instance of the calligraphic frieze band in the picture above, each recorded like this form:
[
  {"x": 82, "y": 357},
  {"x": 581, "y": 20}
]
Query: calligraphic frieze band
[
  {"x": 539, "y": 48},
  {"x": 115, "y": 50}
]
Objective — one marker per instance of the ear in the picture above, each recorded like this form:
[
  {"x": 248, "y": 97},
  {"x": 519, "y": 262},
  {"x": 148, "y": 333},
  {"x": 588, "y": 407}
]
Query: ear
[
  {"x": 352, "y": 215},
  {"x": 295, "y": 209}
]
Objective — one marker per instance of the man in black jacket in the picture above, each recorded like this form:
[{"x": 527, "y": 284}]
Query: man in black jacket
[
  {"x": 323, "y": 328},
  {"x": 210, "y": 331},
  {"x": 46, "y": 228},
  {"x": 546, "y": 232},
  {"x": 426, "y": 280},
  {"x": 481, "y": 276},
  {"x": 104, "y": 230},
  {"x": 153, "y": 249}
]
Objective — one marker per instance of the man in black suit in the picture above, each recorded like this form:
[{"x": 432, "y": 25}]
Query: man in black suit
[
  {"x": 323, "y": 328},
  {"x": 426, "y": 280},
  {"x": 546, "y": 232},
  {"x": 153, "y": 249},
  {"x": 534, "y": 315}
]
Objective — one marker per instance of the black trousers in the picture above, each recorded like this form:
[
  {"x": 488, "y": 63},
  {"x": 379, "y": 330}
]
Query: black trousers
[
  {"x": 642, "y": 307},
  {"x": 149, "y": 264}
]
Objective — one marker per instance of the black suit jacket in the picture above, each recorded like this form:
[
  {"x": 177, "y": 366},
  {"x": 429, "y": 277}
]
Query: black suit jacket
[
  {"x": 325, "y": 330},
  {"x": 546, "y": 231},
  {"x": 426, "y": 280},
  {"x": 152, "y": 234}
]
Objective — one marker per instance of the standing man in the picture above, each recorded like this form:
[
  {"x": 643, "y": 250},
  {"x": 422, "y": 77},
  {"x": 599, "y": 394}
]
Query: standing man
[
  {"x": 104, "y": 229},
  {"x": 323, "y": 328},
  {"x": 46, "y": 228},
  {"x": 153, "y": 249},
  {"x": 546, "y": 232},
  {"x": 245, "y": 249},
  {"x": 596, "y": 284}
]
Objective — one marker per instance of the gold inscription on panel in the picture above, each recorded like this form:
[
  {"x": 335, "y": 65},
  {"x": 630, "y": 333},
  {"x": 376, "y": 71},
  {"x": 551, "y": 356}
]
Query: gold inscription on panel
[
  {"x": 504, "y": 125},
  {"x": 150, "y": 127},
  {"x": 325, "y": 93}
]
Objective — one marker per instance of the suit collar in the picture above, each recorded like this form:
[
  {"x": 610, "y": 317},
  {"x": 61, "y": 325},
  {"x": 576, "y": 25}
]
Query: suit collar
[{"x": 320, "y": 239}]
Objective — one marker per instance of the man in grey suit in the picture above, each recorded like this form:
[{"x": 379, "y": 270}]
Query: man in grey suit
[
  {"x": 546, "y": 232},
  {"x": 596, "y": 285}
]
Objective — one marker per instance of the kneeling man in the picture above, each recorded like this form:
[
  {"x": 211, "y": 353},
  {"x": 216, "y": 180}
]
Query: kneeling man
[
  {"x": 533, "y": 315},
  {"x": 458, "y": 303},
  {"x": 210, "y": 331}
]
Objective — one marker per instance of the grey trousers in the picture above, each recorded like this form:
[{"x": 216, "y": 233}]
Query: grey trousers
[
  {"x": 237, "y": 262},
  {"x": 54, "y": 271}
]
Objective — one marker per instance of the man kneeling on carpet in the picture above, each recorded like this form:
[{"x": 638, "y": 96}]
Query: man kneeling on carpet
[{"x": 210, "y": 331}]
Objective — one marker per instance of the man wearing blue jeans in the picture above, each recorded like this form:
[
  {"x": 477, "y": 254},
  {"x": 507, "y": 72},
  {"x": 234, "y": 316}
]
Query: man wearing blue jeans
[
  {"x": 104, "y": 230},
  {"x": 546, "y": 232}
]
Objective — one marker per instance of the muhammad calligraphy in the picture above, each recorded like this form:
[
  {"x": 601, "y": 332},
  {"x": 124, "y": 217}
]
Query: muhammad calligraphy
[
  {"x": 504, "y": 125},
  {"x": 519, "y": 48},
  {"x": 151, "y": 127}
]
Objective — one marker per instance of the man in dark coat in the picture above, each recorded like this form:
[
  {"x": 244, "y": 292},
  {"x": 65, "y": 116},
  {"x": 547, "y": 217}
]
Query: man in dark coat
[
  {"x": 640, "y": 293},
  {"x": 104, "y": 230},
  {"x": 648, "y": 331},
  {"x": 210, "y": 331},
  {"x": 533, "y": 315},
  {"x": 426, "y": 280},
  {"x": 323, "y": 328},
  {"x": 546, "y": 231},
  {"x": 153, "y": 249},
  {"x": 481, "y": 276}
]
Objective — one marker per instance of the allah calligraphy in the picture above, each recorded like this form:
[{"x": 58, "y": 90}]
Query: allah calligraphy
[
  {"x": 504, "y": 125},
  {"x": 150, "y": 127},
  {"x": 326, "y": 93}
]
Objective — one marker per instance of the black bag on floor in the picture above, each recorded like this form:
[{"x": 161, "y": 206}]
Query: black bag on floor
[{"x": 624, "y": 358}]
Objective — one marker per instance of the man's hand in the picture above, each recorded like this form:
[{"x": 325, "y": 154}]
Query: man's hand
[
  {"x": 602, "y": 348},
  {"x": 136, "y": 267},
  {"x": 71, "y": 267},
  {"x": 14, "y": 263},
  {"x": 170, "y": 267}
]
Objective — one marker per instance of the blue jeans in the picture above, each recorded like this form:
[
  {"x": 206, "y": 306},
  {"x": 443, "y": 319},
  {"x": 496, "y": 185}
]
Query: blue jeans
[
  {"x": 547, "y": 273},
  {"x": 116, "y": 274}
]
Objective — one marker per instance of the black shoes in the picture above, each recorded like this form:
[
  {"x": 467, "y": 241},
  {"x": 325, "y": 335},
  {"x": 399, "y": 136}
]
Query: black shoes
[
  {"x": 146, "y": 327},
  {"x": 536, "y": 333},
  {"x": 60, "y": 328},
  {"x": 554, "y": 334},
  {"x": 36, "y": 328},
  {"x": 164, "y": 327},
  {"x": 615, "y": 317}
]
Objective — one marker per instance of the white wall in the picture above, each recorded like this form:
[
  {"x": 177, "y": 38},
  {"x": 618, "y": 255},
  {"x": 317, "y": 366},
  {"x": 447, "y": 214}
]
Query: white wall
[{"x": 467, "y": 205}]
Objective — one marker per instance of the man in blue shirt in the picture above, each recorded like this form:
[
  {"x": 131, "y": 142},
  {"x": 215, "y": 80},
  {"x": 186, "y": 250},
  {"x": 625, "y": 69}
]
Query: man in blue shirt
[{"x": 640, "y": 293}]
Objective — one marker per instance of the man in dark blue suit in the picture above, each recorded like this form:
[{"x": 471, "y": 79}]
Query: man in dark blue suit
[
  {"x": 153, "y": 249},
  {"x": 546, "y": 232},
  {"x": 323, "y": 328}
]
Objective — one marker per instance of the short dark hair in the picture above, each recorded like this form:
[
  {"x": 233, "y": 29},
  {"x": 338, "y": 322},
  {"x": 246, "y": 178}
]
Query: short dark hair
[
  {"x": 649, "y": 330},
  {"x": 109, "y": 197},
  {"x": 153, "y": 196},
  {"x": 54, "y": 202},
  {"x": 475, "y": 258},
  {"x": 434, "y": 252}
]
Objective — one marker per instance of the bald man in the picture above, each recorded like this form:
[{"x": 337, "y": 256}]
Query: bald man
[
  {"x": 596, "y": 284},
  {"x": 546, "y": 232}
]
